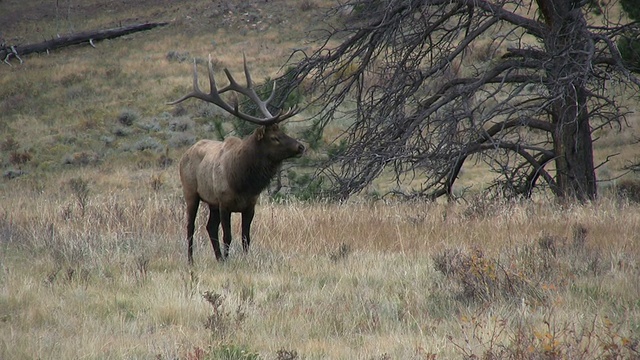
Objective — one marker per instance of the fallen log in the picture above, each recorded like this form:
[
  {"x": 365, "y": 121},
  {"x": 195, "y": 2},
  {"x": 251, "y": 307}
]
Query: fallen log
[{"x": 9, "y": 51}]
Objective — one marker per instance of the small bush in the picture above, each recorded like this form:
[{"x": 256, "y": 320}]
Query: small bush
[
  {"x": 107, "y": 140},
  {"x": 165, "y": 160},
  {"x": 307, "y": 5},
  {"x": 548, "y": 340},
  {"x": 221, "y": 322},
  {"x": 152, "y": 125},
  {"x": 176, "y": 56},
  {"x": 19, "y": 158},
  {"x": 9, "y": 144},
  {"x": 284, "y": 354},
  {"x": 179, "y": 140},
  {"x": 232, "y": 352},
  {"x": 342, "y": 253},
  {"x": 181, "y": 124},
  {"x": 12, "y": 174},
  {"x": 629, "y": 189},
  {"x": 480, "y": 278},
  {"x": 122, "y": 132},
  {"x": 208, "y": 111},
  {"x": 127, "y": 117},
  {"x": 147, "y": 143},
  {"x": 77, "y": 92},
  {"x": 82, "y": 158},
  {"x": 80, "y": 189},
  {"x": 156, "y": 182}
]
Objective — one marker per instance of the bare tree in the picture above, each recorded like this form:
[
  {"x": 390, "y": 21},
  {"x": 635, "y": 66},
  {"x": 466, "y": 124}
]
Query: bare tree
[{"x": 431, "y": 85}]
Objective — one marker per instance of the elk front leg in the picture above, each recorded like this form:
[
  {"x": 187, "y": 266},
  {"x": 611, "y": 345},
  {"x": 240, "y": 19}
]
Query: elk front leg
[
  {"x": 192, "y": 211},
  {"x": 247, "y": 218},
  {"x": 212, "y": 229},
  {"x": 225, "y": 217}
]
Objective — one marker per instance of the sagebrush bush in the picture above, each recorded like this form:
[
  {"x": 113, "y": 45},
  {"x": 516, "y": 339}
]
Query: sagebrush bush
[
  {"x": 481, "y": 278},
  {"x": 181, "y": 124},
  {"x": 82, "y": 158},
  {"x": 128, "y": 116},
  {"x": 178, "y": 140},
  {"x": 147, "y": 143},
  {"x": 629, "y": 189}
]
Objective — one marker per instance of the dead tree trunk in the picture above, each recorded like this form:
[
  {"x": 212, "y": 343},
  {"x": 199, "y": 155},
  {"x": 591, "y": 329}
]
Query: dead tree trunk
[
  {"x": 571, "y": 50},
  {"x": 8, "y": 51}
]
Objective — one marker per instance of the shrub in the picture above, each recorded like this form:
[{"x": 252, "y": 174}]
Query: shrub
[
  {"x": 481, "y": 278},
  {"x": 152, "y": 125},
  {"x": 80, "y": 189},
  {"x": 629, "y": 189},
  {"x": 165, "y": 160},
  {"x": 12, "y": 174},
  {"x": 176, "y": 56},
  {"x": 179, "y": 140},
  {"x": 547, "y": 340},
  {"x": 82, "y": 158},
  {"x": 232, "y": 352},
  {"x": 284, "y": 354},
  {"x": 181, "y": 124},
  {"x": 307, "y": 5},
  {"x": 121, "y": 132},
  {"x": 127, "y": 117},
  {"x": 19, "y": 158},
  {"x": 9, "y": 144},
  {"x": 221, "y": 322},
  {"x": 147, "y": 143}
]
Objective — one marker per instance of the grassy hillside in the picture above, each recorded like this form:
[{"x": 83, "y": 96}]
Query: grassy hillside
[
  {"x": 92, "y": 252},
  {"x": 106, "y": 106},
  {"x": 84, "y": 108}
]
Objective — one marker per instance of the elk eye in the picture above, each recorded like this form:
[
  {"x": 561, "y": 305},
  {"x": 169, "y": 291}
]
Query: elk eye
[{"x": 275, "y": 139}]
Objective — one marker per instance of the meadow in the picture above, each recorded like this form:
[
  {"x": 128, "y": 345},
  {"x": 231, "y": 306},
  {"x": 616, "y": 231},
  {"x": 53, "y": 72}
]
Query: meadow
[
  {"x": 93, "y": 258},
  {"x": 103, "y": 275}
]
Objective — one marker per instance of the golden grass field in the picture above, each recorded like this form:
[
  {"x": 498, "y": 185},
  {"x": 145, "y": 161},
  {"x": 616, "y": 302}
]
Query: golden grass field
[
  {"x": 96, "y": 275},
  {"x": 92, "y": 238}
]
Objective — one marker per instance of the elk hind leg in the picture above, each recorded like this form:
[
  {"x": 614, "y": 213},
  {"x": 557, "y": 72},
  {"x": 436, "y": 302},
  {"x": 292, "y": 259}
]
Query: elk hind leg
[
  {"x": 212, "y": 229},
  {"x": 247, "y": 218}
]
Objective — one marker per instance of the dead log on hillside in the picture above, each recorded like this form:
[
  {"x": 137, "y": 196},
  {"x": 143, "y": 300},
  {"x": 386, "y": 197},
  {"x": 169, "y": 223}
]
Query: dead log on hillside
[{"x": 9, "y": 51}]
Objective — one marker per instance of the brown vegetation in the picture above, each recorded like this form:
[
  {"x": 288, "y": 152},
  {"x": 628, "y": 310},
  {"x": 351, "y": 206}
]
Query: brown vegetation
[{"x": 357, "y": 280}]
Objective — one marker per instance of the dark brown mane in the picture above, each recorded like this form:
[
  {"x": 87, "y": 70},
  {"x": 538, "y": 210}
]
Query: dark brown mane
[{"x": 253, "y": 172}]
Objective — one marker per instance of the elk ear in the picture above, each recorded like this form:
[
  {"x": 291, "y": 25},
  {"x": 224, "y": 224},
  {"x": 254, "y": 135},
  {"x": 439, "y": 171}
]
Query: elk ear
[{"x": 260, "y": 132}]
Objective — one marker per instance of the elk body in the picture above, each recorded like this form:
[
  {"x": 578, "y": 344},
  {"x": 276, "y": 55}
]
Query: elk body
[{"x": 230, "y": 175}]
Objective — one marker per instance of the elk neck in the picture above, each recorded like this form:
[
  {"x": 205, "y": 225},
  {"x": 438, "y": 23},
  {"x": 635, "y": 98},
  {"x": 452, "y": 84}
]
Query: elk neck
[{"x": 254, "y": 170}]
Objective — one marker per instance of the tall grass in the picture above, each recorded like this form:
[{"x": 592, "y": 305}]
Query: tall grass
[{"x": 354, "y": 280}]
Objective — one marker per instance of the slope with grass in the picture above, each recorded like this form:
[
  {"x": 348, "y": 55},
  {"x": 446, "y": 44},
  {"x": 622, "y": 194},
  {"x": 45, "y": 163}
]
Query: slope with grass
[{"x": 84, "y": 106}]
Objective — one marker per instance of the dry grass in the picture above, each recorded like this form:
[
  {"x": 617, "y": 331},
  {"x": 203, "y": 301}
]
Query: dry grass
[
  {"x": 92, "y": 256},
  {"x": 358, "y": 280}
]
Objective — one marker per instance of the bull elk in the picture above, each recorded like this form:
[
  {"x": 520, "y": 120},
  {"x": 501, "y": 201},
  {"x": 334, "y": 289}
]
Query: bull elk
[{"x": 229, "y": 175}]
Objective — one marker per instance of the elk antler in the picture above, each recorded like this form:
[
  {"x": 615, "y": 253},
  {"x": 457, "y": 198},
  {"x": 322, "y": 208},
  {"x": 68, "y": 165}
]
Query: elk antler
[{"x": 214, "y": 96}]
